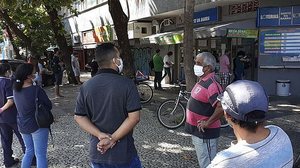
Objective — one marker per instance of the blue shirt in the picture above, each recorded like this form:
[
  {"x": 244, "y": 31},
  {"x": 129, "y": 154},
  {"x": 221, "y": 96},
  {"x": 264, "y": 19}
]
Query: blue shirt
[
  {"x": 10, "y": 114},
  {"x": 25, "y": 103}
]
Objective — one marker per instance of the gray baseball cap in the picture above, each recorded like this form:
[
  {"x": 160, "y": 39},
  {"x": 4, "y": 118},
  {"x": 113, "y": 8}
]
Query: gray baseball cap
[{"x": 243, "y": 97}]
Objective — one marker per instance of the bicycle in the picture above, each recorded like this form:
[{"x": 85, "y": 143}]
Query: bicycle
[
  {"x": 171, "y": 113},
  {"x": 145, "y": 91}
]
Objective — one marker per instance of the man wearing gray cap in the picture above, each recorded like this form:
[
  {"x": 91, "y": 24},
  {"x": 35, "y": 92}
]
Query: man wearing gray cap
[{"x": 245, "y": 104}]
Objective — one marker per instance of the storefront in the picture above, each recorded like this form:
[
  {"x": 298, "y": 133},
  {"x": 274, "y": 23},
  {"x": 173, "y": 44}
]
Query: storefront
[{"x": 279, "y": 48}]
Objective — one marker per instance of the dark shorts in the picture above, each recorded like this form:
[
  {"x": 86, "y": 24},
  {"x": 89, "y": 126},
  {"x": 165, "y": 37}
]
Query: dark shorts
[{"x": 58, "y": 78}]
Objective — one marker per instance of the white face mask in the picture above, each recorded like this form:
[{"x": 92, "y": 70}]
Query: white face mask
[
  {"x": 120, "y": 67},
  {"x": 198, "y": 70}
]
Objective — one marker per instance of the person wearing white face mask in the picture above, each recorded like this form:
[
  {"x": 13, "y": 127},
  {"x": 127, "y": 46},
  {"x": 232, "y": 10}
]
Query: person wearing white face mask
[
  {"x": 203, "y": 109},
  {"x": 108, "y": 107}
]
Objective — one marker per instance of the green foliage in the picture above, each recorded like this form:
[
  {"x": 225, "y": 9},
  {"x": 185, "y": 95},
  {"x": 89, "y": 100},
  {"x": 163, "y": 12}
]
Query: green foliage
[{"x": 32, "y": 18}]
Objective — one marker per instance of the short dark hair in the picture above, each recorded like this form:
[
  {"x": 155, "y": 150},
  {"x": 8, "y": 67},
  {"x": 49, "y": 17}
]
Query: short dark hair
[
  {"x": 4, "y": 67},
  {"x": 256, "y": 119},
  {"x": 241, "y": 53},
  {"x": 105, "y": 53},
  {"x": 21, "y": 74},
  {"x": 157, "y": 50},
  {"x": 170, "y": 53}
]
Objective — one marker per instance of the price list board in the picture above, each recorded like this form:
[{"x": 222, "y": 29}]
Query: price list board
[{"x": 280, "y": 42}]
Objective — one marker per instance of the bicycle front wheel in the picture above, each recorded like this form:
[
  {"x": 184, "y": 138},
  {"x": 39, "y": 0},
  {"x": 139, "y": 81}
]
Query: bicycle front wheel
[
  {"x": 145, "y": 92},
  {"x": 171, "y": 116}
]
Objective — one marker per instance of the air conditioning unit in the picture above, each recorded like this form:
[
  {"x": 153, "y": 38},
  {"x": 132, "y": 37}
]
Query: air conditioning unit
[{"x": 76, "y": 39}]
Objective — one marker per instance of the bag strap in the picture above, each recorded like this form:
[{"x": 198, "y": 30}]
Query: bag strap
[
  {"x": 37, "y": 108},
  {"x": 36, "y": 99}
]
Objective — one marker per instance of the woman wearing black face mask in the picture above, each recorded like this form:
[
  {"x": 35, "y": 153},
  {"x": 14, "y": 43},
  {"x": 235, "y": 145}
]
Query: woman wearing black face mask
[
  {"x": 35, "y": 138},
  {"x": 8, "y": 116}
]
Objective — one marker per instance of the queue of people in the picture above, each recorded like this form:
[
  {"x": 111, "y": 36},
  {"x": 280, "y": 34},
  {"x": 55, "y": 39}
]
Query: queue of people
[{"x": 111, "y": 114}]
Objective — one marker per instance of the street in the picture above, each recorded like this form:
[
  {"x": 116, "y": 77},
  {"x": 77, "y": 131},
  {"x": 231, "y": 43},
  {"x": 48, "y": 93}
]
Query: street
[{"x": 156, "y": 145}]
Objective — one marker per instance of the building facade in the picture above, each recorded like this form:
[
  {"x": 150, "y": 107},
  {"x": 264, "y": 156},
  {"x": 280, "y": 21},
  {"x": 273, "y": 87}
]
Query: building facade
[{"x": 218, "y": 26}]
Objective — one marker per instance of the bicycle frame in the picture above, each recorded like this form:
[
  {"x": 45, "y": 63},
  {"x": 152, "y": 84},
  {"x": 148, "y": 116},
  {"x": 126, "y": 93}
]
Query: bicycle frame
[{"x": 182, "y": 94}]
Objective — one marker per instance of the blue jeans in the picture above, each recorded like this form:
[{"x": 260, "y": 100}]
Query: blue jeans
[
  {"x": 36, "y": 144},
  {"x": 135, "y": 163},
  {"x": 206, "y": 150}
]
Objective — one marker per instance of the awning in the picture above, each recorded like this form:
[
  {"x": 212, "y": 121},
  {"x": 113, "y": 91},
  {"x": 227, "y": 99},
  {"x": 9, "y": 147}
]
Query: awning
[
  {"x": 221, "y": 29},
  {"x": 164, "y": 38},
  {"x": 176, "y": 37}
]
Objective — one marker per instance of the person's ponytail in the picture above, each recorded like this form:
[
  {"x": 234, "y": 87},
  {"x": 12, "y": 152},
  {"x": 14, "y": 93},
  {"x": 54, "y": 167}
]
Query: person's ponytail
[{"x": 21, "y": 74}]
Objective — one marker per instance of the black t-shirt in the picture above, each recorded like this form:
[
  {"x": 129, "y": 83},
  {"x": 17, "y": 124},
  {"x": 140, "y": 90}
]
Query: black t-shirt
[{"x": 106, "y": 100}]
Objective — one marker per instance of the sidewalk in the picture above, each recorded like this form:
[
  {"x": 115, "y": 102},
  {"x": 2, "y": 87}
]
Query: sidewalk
[{"x": 157, "y": 146}]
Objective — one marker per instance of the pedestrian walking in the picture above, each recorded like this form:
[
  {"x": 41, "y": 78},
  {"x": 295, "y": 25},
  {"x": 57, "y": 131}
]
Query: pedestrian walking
[
  {"x": 8, "y": 116},
  {"x": 257, "y": 145},
  {"x": 35, "y": 138},
  {"x": 167, "y": 66},
  {"x": 76, "y": 67},
  {"x": 108, "y": 107},
  {"x": 202, "y": 116},
  {"x": 158, "y": 68}
]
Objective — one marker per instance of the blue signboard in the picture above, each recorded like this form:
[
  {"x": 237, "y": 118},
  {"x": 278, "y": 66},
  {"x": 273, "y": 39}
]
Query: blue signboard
[
  {"x": 209, "y": 15},
  {"x": 280, "y": 42},
  {"x": 278, "y": 16}
]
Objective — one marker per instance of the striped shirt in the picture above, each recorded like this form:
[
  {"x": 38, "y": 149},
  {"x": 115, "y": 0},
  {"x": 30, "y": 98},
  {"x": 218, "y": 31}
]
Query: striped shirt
[{"x": 201, "y": 106}]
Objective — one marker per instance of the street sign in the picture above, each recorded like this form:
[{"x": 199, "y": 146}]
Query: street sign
[
  {"x": 278, "y": 16},
  {"x": 242, "y": 33},
  {"x": 208, "y": 15},
  {"x": 280, "y": 42}
]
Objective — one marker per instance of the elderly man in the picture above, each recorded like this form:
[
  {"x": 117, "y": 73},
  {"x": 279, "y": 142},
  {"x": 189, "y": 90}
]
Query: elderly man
[
  {"x": 108, "y": 107},
  {"x": 245, "y": 104},
  {"x": 202, "y": 117}
]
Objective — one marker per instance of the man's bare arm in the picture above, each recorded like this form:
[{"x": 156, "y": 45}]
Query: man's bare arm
[
  {"x": 127, "y": 126},
  {"x": 86, "y": 124}
]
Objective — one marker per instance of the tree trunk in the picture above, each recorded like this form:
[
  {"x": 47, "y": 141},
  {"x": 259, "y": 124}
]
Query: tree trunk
[
  {"x": 120, "y": 20},
  {"x": 61, "y": 41},
  {"x": 27, "y": 40},
  {"x": 16, "y": 49},
  {"x": 188, "y": 43}
]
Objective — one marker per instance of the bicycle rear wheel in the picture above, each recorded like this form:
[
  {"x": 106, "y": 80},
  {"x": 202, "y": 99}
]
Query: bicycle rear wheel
[
  {"x": 145, "y": 92},
  {"x": 224, "y": 122},
  {"x": 171, "y": 116}
]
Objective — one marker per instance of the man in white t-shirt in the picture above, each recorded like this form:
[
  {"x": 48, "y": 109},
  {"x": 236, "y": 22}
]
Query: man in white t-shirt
[
  {"x": 245, "y": 104},
  {"x": 167, "y": 65}
]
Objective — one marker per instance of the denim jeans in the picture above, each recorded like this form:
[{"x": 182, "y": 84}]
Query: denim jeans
[
  {"x": 206, "y": 150},
  {"x": 135, "y": 163},
  {"x": 36, "y": 144}
]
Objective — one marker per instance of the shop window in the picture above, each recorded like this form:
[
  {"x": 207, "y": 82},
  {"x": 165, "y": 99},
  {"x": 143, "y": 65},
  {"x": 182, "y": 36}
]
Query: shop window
[{"x": 144, "y": 30}]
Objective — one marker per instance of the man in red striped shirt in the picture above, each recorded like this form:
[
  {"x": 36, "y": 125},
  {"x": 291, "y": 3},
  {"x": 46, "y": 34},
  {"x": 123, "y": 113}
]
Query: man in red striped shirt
[{"x": 204, "y": 110}]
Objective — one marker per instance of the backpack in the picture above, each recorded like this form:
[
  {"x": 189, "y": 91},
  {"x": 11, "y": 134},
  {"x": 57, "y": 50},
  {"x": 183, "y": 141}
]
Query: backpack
[{"x": 151, "y": 64}]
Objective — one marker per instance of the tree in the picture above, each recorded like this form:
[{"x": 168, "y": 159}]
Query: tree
[
  {"x": 14, "y": 27},
  {"x": 11, "y": 38},
  {"x": 188, "y": 43},
  {"x": 120, "y": 20},
  {"x": 61, "y": 41}
]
